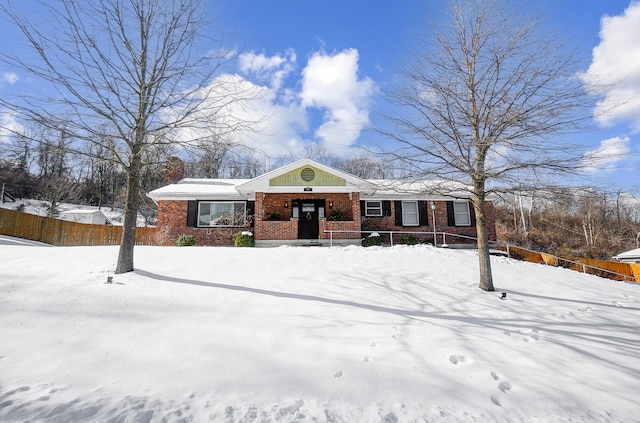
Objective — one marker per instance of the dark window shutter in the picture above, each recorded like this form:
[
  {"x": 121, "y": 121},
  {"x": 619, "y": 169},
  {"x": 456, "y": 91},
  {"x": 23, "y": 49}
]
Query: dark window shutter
[
  {"x": 362, "y": 206},
  {"x": 386, "y": 208},
  {"x": 472, "y": 214},
  {"x": 398, "y": 209},
  {"x": 251, "y": 207},
  {"x": 423, "y": 214},
  {"x": 192, "y": 213},
  {"x": 451, "y": 217}
]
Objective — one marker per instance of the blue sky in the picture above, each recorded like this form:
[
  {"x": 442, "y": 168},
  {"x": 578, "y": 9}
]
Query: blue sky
[
  {"x": 364, "y": 42},
  {"x": 322, "y": 64}
]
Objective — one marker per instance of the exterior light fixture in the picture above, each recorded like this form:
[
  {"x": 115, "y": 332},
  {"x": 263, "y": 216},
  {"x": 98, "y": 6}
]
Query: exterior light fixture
[
  {"x": 330, "y": 204},
  {"x": 286, "y": 204}
]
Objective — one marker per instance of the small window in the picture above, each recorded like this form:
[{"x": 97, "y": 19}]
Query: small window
[
  {"x": 410, "y": 213},
  {"x": 373, "y": 208},
  {"x": 222, "y": 213},
  {"x": 461, "y": 213}
]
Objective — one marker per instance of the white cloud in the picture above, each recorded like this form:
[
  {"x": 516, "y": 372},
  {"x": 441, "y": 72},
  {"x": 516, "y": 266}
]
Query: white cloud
[
  {"x": 614, "y": 73},
  {"x": 234, "y": 101},
  {"x": 610, "y": 152},
  {"x": 269, "y": 68},
  {"x": 280, "y": 113},
  {"x": 9, "y": 126},
  {"x": 10, "y": 78},
  {"x": 331, "y": 83}
]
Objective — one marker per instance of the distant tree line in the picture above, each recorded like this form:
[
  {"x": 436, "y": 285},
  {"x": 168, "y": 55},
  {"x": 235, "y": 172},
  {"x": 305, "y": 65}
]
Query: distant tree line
[
  {"x": 569, "y": 222},
  {"x": 47, "y": 165}
]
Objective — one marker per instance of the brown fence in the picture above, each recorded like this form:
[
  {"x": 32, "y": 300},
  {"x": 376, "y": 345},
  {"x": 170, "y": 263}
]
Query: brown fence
[
  {"x": 603, "y": 268},
  {"x": 63, "y": 232}
]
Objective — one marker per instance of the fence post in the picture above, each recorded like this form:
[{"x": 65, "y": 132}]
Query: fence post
[
  {"x": 508, "y": 252},
  {"x": 391, "y": 237}
]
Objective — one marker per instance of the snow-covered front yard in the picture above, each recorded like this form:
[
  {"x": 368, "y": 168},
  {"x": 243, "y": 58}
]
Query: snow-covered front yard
[{"x": 349, "y": 334}]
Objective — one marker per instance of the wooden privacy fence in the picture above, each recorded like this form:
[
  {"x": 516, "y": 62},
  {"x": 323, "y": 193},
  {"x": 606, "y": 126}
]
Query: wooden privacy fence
[{"x": 63, "y": 232}]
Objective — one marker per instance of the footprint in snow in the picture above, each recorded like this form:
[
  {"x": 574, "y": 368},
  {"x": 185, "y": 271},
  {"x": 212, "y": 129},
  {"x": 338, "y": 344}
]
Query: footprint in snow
[
  {"x": 338, "y": 374},
  {"x": 494, "y": 400},
  {"x": 495, "y": 376},
  {"x": 455, "y": 359},
  {"x": 505, "y": 386}
]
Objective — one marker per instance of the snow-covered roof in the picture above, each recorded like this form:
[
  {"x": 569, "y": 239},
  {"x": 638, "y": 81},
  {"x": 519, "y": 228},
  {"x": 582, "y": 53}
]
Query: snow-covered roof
[
  {"x": 629, "y": 255},
  {"x": 83, "y": 211},
  {"x": 204, "y": 189},
  {"x": 393, "y": 188},
  {"x": 245, "y": 189}
]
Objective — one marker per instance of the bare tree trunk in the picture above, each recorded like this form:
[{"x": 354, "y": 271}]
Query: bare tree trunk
[
  {"x": 132, "y": 199},
  {"x": 482, "y": 230}
]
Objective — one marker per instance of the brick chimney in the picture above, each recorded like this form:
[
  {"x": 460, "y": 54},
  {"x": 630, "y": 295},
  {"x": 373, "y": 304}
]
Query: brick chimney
[{"x": 173, "y": 171}]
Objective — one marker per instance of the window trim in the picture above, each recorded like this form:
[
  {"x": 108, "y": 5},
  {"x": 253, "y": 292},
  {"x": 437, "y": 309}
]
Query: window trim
[
  {"x": 457, "y": 213},
  {"x": 233, "y": 225},
  {"x": 417, "y": 214},
  {"x": 367, "y": 208}
]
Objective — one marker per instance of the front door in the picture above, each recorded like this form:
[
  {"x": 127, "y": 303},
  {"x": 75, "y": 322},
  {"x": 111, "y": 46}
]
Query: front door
[{"x": 308, "y": 220}]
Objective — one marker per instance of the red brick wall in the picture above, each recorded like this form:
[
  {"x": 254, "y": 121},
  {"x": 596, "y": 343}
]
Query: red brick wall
[
  {"x": 340, "y": 225},
  {"x": 172, "y": 222},
  {"x": 387, "y": 223}
]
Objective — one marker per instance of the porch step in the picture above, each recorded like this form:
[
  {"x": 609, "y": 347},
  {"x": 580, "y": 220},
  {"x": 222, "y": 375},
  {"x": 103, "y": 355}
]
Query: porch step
[{"x": 306, "y": 242}]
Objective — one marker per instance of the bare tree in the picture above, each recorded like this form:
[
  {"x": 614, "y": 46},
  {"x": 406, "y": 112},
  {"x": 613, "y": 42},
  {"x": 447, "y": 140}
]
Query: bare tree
[
  {"x": 480, "y": 105},
  {"x": 129, "y": 74}
]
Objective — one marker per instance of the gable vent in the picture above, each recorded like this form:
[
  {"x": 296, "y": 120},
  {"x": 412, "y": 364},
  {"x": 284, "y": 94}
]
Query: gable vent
[{"x": 307, "y": 174}]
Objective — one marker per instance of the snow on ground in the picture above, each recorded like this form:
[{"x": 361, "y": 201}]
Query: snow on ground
[{"x": 314, "y": 334}]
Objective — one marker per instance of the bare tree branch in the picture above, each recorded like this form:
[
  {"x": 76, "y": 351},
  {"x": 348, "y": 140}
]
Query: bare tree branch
[
  {"x": 128, "y": 75},
  {"x": 482, "y": 105}
]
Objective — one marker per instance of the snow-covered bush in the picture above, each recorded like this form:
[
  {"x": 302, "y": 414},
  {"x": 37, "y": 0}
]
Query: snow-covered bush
[
  {"x": 372, "y": 240},
  {"x": 409, "y": 239},
  {"x": 185, "y": 240},
  {"x": 244, "y": 239}
]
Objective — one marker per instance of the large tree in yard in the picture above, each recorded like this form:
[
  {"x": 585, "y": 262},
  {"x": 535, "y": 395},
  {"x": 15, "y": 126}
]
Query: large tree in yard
[
  {"x": 123, "y": 76},
  {"x": 481, "y": 104}
]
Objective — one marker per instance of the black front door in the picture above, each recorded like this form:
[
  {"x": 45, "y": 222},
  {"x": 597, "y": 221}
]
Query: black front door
[{"x": 308, "y": 220}]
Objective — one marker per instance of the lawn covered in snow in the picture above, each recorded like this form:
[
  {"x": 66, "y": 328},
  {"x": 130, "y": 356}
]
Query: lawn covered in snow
[{"x": 343, "y": 334}]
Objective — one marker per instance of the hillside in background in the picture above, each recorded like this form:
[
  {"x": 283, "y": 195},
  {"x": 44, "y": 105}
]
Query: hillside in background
[{"x": 570, "y": 223}]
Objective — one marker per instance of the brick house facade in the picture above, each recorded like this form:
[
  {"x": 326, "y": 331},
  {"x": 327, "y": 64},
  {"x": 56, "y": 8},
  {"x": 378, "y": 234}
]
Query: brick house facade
[{"x": 307, "y": 202}]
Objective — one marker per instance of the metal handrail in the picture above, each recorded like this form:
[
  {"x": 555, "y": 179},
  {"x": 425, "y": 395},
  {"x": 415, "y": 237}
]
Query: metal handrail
[{"x": 626, "y": 277}]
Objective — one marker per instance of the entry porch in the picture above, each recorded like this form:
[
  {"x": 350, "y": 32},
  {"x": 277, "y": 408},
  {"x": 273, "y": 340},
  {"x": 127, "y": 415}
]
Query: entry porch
[{"x": 301, "y": 218}]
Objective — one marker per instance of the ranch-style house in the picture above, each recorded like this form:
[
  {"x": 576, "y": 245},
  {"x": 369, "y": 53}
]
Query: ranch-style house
[{"x": 309, "y": 203}]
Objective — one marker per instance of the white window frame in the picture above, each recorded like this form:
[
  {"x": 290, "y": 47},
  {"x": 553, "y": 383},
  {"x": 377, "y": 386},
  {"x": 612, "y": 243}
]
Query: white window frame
[
  {"x": 406, "y": 214},
  {"x": 233, "y": 224},
  {"x": 461, "y": 213},
  {"x": 368, "y": 209}
]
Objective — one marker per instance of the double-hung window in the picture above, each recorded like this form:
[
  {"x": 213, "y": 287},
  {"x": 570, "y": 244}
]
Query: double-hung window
[
  {"x": 373, "y": 208},
  {"x": 221, "y": 213},
  {"x": 461, "y": 213},
  {"x": 410, "y": 215}
]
